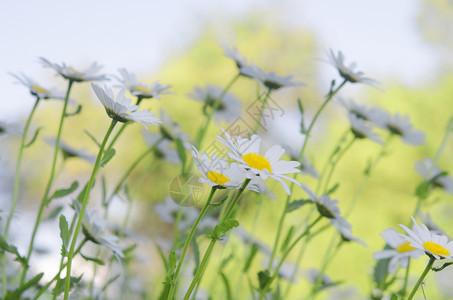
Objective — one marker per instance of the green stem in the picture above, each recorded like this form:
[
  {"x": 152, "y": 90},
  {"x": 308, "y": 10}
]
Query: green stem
[
  {"x": 117, "y": 135},
  {"x": 286, "y": 253},
  {"x": 49, "y": 184},
  {"x": 260, "y": 115},
  {"x": 444, "y": 140},
  {"x": 406, "y": 277},
  {"x": 201, "y": 268},
  {"x": 16, "y": 190},
  {"x": 420, "y": 280},
  {"x": 215, "y": 105},
  {"x": 331, "y": 94},
  {"x": 84, "y": 204},
  {"x": 57, "y": 276},
  {"x": 187, "y": 243}
]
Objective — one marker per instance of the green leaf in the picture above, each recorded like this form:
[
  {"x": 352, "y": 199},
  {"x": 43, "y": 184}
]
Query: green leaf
[
  {"x": 380, "y": 273},
  {"x": 92, "y": 138},
  {"x": 82, "y": 193},
  {"x": 333, "y": 189},
  {"x": 423, "y": 189},
  {"x": 253, "y": 251},
  {"x": 93, "y": 259},
  {"x": 288, "y": 237},
  {"x": 442, "y": 267},
  {"x": 264, "y": 279},
  {"x": 35, "y": 136},
  {"x": 64, "y": 233},
  {"x": 54, "y": 213},
  {"x": 111, "y": 280},
  {"x": 171, "y": 263},
  {"x": 394, "y": 297},
  {"x": 72, "y": 282},
  {"x": 303, "y": 130},
  {"x": 76, "y": 112},
  {"x": 227, "y": 286},
  {"x": 64, "y": 192},
  {"x": 18, "y": 292},
  {"x": 108, "y": 155},
  {"x": 296, "y": 204},
  {"x": 162, "y": 257},
  {"x": 181, "y": 152},
  {"x": 104, "y": 191},
  {"x": 223, "y": 228}
]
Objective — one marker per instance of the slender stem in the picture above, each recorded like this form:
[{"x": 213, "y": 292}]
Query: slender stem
[
  {"x": 49, "y": 184},
  {"x": 406, "y": 277},
  {"x": 187, "y": 243},
  {"x": 334, "y": 163},
  {"x": 117, "y": 135},
  {"x": 201, "y": 268},
  {"x": 84, "y": 204},
  {"x": 420, "y": 280},
  {"x": 331, "y": 94},
  {"x": 133, "y": 165},
  {"x": 444, "y": 140},
  {"x": 260, "y": 115},
  {"x": 215, "y": 106},
  {"x": 286, "y": 253}
]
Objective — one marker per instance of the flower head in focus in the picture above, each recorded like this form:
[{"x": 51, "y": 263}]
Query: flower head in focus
[
  {"x": 399, "y": 250},
  {"x": 401, "y": 126},
  {"x": 73, "y": 74},
  {"x": 227, "y": 106},
  {"x": 433, "y": 174},
  {"x": 37, "y": 89},
  {"x": 119, "y": 108},
  {"x": 248, "y": 153},
  {"x": 347, "y": 72},
  {"x": 433, "y": 244},
  {"x": 269, "y": 79},
  {"x": 129, "y": 82}
]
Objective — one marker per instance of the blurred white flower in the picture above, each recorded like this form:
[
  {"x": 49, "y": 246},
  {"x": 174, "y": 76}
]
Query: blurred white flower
[
  {"x": 401, "y": 126},
  {"x": 120, "y": 108},
  {"x": 363, "y": 130},
  {"x": 69, "y": 151},
  {"x": 129, "y": 82},
  {"x": 228, "y": 107},
  {"x": 164, "y": 149},
  {"x": 361, "y": 111},
  {"x": 247, "y": 152},
  {"x": 433, "y": 244},
  {"x": 37, "y": 89},
  {"x": 432, "y": 173},
  {"x": 172, "y": 130},
  {"x": 347, "y": 72},
  {"x": 400, "y": 250},
  {"x": 234, "y": 54},
  {"x": 75, "y": 75},
  {"x": 269, "y": 79}
]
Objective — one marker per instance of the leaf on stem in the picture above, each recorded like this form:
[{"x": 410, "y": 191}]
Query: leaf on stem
[
  {"x": 253, "y": 251},
  {"x": 64, "y": 234},
  {"x": 227, "y": 286},
  {"x": 264, "y": 279},
  {"x": 181, "y": 152},
  {"x": 296, "y": 204},
  {"x": 76, "y": 112},
  {"x": 64, "y": 192},
  {"x": 93, "y": 259},
  {"x": 16, "y": 294},
  {"x": 108, "y": 155},
  {"x": 288, "y": 237},
  {"x": 221, "y": 229},
  {"x": 92, "y": 138},
  {"x": 35, "y": 136}
]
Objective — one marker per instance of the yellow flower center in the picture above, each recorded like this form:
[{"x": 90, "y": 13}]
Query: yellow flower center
[
  {"x": 216, "y": 177},
  {"x": 143, "y": 89},
  {"x": 405, "y": 247},
  {"x": 436, "y": 248},
  {"x": 73, "y": 70},
  {"x": 257, "y": 161},
  {"x": 39, "y": 89}
]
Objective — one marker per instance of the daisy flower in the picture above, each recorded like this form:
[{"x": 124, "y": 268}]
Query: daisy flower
[
  {"x": 401, "y": 126},
  {"x": 69, "y": 151},
  {"x": 428, "y": 221},
  {"x": 344, "y": 228},
  {"x": 234, "y": 54},
  {"x": 247, "y": 153},
  {"x": 75, "y": 75},
  {"x": 400, "y": 250},
  {"x": 432, "y": 173},
  {"x": 433, "y": 244},
  {"x": 170, "y": 129},
  {"x": 229, "y": 107},
  {"x": 216, "y": 172},
  {"x": 326, "y": 206},
  {"x": 361, "y": 111},
  {"x": 120, "y": 108},
  {"x": 347, "y": 72},
  {"x": 37, "y": 89},
  {"x": 269, "y": 79},
  {"x": 361, "y": 129},
  {"x": 129, "y": 82}
]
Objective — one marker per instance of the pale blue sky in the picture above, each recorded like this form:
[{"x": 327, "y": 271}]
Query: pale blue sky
[{"x": 380, "y": 35}]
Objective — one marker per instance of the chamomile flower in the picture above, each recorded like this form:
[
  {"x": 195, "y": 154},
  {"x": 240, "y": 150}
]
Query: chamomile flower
[
  {"x": 347, "y": 72},
  {"x": 400, "y": 250},
  {"x": 432, "y": 173},
  {"x": 216, "y": 172},
  {"x": 69, "y": 151},
  {"x": 269, "y": 79},
  {"x": 37, "y": 89},
  {"x": 120, "y": 108},
  {"x": 433, "y": 244},
  {"x": 129, "y": 82},
  {"x": 234, "y": 54},
  {"x": 171, "y": 130},
  {"x": 73, "y": 74},
  {"x": 247, "y": 153},
  {"x": 361, "y": 111},
  {"x": 326, "y": 206},
  {"x": 361, "y": 129},
  {"x": 229, "y": 107},
  {"x": 401, "y": 126},
  {"x": 344, "y": 228}
]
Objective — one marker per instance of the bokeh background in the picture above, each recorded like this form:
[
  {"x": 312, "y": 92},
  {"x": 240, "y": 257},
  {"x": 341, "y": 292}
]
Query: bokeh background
[{"x": 405, "y": 45}]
